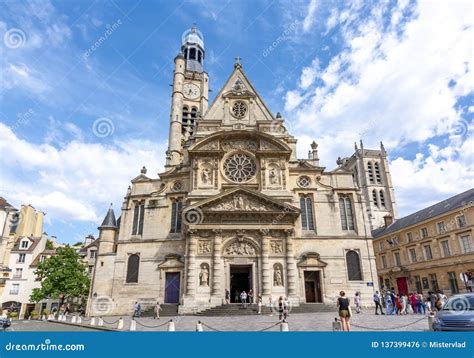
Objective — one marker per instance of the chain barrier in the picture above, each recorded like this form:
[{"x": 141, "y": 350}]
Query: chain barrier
[
  {"x": 86, "y": 319},
  {"x": 260, "y": 330},
  {"x": 266, "y": 329},
  {"x": 111, "y": 322},
  {"x": 160, "y": 325},
  {"x": 211, "y": 328},
  {"x": 386, "y": 329}
]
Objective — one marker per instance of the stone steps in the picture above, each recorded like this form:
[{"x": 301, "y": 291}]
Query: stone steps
[
  {"x": 167, "y": 310},
  {"x": 237, "y": 309}
]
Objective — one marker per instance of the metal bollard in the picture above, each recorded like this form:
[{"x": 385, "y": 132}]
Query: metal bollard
[
  {"x": 43, "y": 317},
  {"x": 79, "y": 320},
  {"x": 101, "y": 322},
  {"x": 73, "y": 319},
  {"x": 336, "y": 325},
  {"x": 284, "y": 326},
  {"x": 171, "y": 327},
  {"x": 199, "y": 327},
  {"x": 120, "y": 323},
  {"x": 431, "y": 318},
  {"x": 93, "y": 321},
  {"x": 133, "y": 325}
]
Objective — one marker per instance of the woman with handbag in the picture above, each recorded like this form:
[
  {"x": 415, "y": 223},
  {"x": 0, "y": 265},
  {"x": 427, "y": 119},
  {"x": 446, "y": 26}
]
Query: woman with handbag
[{"x": 343, "y": 304}]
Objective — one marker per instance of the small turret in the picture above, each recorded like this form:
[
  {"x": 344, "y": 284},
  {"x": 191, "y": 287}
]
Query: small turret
[{"x": 107, "y": 232}]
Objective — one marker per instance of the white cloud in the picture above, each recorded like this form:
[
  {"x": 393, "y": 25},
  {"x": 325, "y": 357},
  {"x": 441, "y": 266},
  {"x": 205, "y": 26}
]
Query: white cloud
[
  {"x": 392, "y": 84},
  {"x": 310, "y": 16},
  {"x": 77, "y": 181}
]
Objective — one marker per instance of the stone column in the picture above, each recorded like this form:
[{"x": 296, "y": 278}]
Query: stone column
[
  {"x": 191, "y": 270},
  {"x": 292, "y": 272},
  {"x": 266, "y": 271},
  {"x": 217, "y": 265}
]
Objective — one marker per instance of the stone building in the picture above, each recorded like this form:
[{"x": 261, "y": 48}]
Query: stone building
[
  {"x": 236, "y": 209},
  {"x": 429, "y": 250}
]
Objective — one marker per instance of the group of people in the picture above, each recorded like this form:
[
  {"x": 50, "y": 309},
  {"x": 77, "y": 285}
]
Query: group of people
[
  {"x": 402, "y": 304},
  {"x": 137, "y": 310},
  {"x": 393, "y": 303}
]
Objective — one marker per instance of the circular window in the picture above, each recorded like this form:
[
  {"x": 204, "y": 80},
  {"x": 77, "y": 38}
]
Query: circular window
[
  {"x": 178, "y": 185},
  {"x": 304, "y": 181},
  {"x": 240, "y": 167},
  {"x": 239, "y": 109}
]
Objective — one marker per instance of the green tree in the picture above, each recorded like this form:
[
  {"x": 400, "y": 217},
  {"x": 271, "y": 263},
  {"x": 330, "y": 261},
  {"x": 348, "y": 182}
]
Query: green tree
[
  {"x": 63, "y": 273},
  {"x": 49, "y": 245}
]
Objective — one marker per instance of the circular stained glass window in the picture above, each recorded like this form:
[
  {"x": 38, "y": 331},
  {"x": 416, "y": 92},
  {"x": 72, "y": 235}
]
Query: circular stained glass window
[
  {"x": 239, "y": 109},
  {"x": 304, "y": 181},
  {"x": 178, "y": 185},
  {"x": 240, "y": 167}
]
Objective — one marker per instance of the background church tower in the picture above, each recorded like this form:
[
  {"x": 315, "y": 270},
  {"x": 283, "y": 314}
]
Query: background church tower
[{"x": 189, "y": 99}]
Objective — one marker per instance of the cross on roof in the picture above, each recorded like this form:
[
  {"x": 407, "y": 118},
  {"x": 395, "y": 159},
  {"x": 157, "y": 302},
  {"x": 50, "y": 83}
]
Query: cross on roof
[{"x": 237, "y": 60}]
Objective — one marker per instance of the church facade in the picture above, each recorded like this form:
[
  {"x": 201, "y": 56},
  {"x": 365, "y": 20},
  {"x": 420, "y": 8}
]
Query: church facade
[{"x": 235, "y": 209}]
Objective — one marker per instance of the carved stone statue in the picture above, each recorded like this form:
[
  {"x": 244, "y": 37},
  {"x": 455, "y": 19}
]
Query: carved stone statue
[
  {"x": 276, "y": 247},
  {"x": 204, "y": 276},
  {"x": 206, "y": 176},
  {"x": 274, "y": 177},
  {"x": 240, "y": 249},
  {"x": 277, "y": 276}
]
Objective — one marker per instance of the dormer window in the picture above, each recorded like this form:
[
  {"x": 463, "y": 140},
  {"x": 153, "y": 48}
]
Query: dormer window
[{"x": 24, "y": 244}]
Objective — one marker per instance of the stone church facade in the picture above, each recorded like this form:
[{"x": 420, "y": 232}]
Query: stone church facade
[{"x": 235, "y": 209}]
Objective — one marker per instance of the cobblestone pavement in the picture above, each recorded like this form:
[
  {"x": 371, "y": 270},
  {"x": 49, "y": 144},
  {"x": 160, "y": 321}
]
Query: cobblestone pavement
[{"x": 297, "y": 322}]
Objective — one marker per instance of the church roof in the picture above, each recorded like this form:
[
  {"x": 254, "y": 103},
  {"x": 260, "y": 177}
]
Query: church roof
[
  {"x": 443, "y": 207},
  {"x": 109, "y": 220}
]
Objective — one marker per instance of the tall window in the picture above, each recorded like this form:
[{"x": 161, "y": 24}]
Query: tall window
[
  {"x": 428, "y": 253},
  {"x": 307, "y": 218},
  {"x": 24, "y": 244},
  {"x": 21, "y": 258},
  {"x": 441, "y": 228},
  {"x": 345, "y": 207},
  {"x": 453, "y": 282},
  {"x": 133, "y": 267},
  {"x": 138, "y": 215},
  {"x": 18, "y": 273},
  {"x": 370, "y": 171},
  {"x": 412, "y": 254},
  {"x": 434, "y": 282},
  {"x": 466, "y": 244},
  {"x": 424, "y": 232},
  {"x": 409, "y": 237},
  {"x": 176, "y": 209},
  {"x": 419, "y": 288},
  {"x": 461, "y": 219},
  {"x": 15, "y": 289},
  {"x": 192, "y": 53},
  {"x": 353, "y": 266},
  {"x": 446, "y": 249},
  {"x": 384, "y": 261},
  {"x": 382, "y": 198},
  {"x": 398, "y": 261},
  {"x": 378, "y": 177},
  {"x": 374, "y": 198}
]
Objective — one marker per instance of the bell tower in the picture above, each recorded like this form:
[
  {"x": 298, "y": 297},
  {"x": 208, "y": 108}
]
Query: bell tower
[{"x": 189, "y": 100}]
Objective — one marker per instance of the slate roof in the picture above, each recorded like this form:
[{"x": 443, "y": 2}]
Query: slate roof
[
  {"x": 445, "y": 206},
  {"x": 4, "y": 203},
  {"x": 109, "y": 220}
]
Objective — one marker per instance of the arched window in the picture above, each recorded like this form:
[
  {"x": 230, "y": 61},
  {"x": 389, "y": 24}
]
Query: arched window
[
  {"x": 199, "y": 56},
  {"x": 374, "y": 198},
  {"x": 345, "y": 208},
  {"x": 176, "y": 209},
  {"x": 306, "y": 206},
  {"x": 133, "y": 266},
  {"x": 370, "y": 171},
  {"x": 378, "y": 177},
  {"x": 382, "y": 198},
  {"x": 192, "y": 53},
  {"x": 354, "y": 272},
  {"x": 186, "y": 53}
]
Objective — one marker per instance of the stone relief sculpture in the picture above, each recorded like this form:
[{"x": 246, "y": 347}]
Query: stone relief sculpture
[
  {"x": 206, "y": 176},
  {"x": 277, "y": 275},
  {"x": 240, "y": 249},
  {"x": 239, "y": 202},
  {"x": 276, "y": 247},
  {"x": 204, "y": 247},
  {"x": 274, "y": 176},
  {"x": 235, "y": 144},
  {"x": 204, "y": 275}
]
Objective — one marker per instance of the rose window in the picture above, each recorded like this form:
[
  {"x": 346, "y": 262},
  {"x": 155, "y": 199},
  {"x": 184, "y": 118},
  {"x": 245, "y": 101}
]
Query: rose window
[
  {"x": 304, "y": 181},
  {"x": 239, "y": 109},
  {"x": 240, "y": 167}
]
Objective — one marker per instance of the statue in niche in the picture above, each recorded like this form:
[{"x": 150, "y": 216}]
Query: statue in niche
[
  {"x": 204, "y": 276},
  {"x": 277, "y": 276},
  {"x": 239, "y": 202},
  {"x": 274, "y": 177},
  {"x": 206, "y": 176}
]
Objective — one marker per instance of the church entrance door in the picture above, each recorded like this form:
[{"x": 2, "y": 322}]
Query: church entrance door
[
  {"x": 312, "y": 286},
  {"x": 172, "y": 283},
  {"x": 240, "y": 280}
]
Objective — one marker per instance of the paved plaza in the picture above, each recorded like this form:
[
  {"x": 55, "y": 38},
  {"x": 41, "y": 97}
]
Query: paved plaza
[{"x": 321, "y": 321}]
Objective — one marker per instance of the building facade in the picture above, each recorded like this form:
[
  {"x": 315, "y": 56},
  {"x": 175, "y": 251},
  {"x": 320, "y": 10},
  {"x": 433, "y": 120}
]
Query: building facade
[
  {"x": 429, "y": 250},
  {"x": 235, "y": 209}
]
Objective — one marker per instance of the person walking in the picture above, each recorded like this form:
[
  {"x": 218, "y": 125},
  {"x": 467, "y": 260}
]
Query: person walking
[
  {"x": 227, "y": 296},
  {"x": 281, "y": 309},
  {"x": 286, "y": 308},
  {"x": 403, "y": 301},
  {"x": 420, "y": 307},
  {"x": 157, "y": 310},
  {"x": 377, "y": 299},
  {"x": 388, "y": 304},
  {"x": 357, "y": 302},
  {"x": 237, "y": 296},
  {"x": 270, "y": 305},
  {"x": 413, "y": 303},
  {"x": 259, "y": 304},
  {"x": 243, "y": 299},
  {"x": 343, "y": 305},
  {"x": 250, "y": 294},
  {"x": 137, "y": 309}
]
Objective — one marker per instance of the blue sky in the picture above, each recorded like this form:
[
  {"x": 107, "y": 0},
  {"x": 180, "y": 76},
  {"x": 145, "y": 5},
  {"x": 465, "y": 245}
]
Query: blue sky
[{"x": 396, "y": 71}]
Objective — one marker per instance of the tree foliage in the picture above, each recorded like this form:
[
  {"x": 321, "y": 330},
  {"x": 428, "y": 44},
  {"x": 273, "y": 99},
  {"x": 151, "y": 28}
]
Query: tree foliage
[
  {"x": 49, "y": 245},
  {"x": 63, "y": 273}
]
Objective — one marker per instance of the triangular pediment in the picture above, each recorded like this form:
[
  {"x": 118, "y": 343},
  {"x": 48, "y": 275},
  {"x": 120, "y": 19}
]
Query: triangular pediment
[
  {"x": 140, "y": 179},
  {"x": 241, "y": 200},
  {"x": 237, "y": 87}
]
